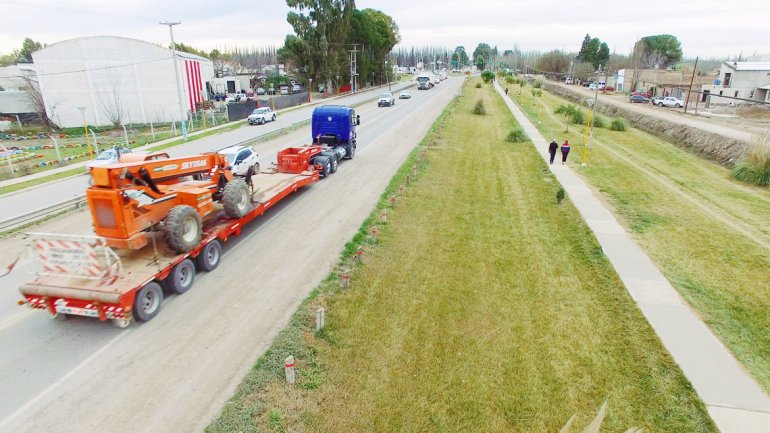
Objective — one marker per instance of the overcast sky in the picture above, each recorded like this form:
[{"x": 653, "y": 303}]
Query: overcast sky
[{"x": 706, "y": 28}]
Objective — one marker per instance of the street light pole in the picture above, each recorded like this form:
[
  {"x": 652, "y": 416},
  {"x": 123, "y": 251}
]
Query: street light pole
[
  {"x": 176, "y": 75},
  {"x": 82, "y": 110}
]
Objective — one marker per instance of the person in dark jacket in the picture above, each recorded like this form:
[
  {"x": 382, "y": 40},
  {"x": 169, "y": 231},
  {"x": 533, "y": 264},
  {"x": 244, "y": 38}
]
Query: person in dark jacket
[
  {"x": 552, "y": 149},
  {"x": 564, "y": 151}
]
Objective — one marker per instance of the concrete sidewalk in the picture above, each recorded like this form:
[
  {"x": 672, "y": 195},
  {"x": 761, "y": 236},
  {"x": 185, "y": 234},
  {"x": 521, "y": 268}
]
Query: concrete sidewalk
[{"x": 734, "y": 400}]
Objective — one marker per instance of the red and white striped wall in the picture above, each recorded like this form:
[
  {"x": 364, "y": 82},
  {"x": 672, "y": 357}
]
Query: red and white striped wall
[{"x": 192, "y": 69}]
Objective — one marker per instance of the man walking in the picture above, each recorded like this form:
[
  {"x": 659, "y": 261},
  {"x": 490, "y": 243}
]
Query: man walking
[{"x": 552, "y": 149}]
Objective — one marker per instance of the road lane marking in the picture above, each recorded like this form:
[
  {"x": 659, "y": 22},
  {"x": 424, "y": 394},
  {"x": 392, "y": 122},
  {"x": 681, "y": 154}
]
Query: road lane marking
[
  {"x": 63, "y": 379},
  {"x": 15, "y": 318}
]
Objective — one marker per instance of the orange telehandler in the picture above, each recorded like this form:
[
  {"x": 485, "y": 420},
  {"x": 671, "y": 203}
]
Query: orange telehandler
[{"x": 128, "y": 200}]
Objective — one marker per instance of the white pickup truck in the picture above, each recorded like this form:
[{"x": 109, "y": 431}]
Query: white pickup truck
[
  {"x": 261, "y": 115},
  {"x": 669, "y": 101}
]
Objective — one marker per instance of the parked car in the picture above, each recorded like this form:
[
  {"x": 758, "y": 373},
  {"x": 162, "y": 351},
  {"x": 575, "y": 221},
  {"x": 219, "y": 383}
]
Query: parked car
[
  {"x": 405, "y": 94},
  {"x": 295, "y": 88},
  {"x": 238, "y": 97},
  {"x": 261, "y": 115},
  {"x": 638, "y": 99},
  {"x": 655, "y": 99},
  {"x": 241, "y": 158},
  {"x": 644, "y": 94},
  {"x": 568, "y": 80},
  {"x": 260, "y": 91},
  {"x": 284, "y": 90},
  {"x": 386, "y": 100},
  {"x": 670, "y": 101}
]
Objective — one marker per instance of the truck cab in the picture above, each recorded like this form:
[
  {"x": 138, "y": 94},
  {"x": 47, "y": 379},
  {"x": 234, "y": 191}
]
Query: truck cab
[{"x": 334, "y": 127}]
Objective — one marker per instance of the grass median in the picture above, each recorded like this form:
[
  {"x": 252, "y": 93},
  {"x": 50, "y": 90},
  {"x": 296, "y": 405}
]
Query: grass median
[
  {"x": 707, "y": 233},
  {"x": 482, "y": 306}
]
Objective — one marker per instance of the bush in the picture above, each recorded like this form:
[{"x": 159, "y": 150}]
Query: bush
[
  {"x": 599, "y": 122},
  {"x": 487, "y": 76},
  {"x": 479, "y": 108},
  {"x": 754, "y": 167},
  {"x": 560, "y": 195},
  {"x": 618, "y": 124},
  {"x": 478, "y": 85},
  {"x": 517, "y": 135},
  {"x": 537, "y": 92},
  {"x": 538, "y": 84},
  {"x": 578, "y": 117}
]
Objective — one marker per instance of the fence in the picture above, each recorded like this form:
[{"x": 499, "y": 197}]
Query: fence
[{"x": 241, "y": 110}]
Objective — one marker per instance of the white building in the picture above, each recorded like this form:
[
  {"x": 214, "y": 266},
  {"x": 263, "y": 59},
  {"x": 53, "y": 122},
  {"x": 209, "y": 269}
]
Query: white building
[
  {"x": 110, "y": 80},
  {"x": 745, "y": 80},
  {"x": 15, "y": 84}
]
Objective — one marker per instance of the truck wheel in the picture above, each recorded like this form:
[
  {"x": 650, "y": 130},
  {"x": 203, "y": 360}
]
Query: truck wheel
[
  {"x": 208, "y": 259},
  {"x": 350, "y": 152},
  {"x": 326, "y": 165},
  {"x": 147, "y": 301},
  {"x": 181, "y": 277},
  {"x": 333, "y": 159},
  {"x": 235, "y": 198},
  {"x": 273, "y": 117},
  {"x": 262, "y": 121},
  {"x": 183, "y": 228}
]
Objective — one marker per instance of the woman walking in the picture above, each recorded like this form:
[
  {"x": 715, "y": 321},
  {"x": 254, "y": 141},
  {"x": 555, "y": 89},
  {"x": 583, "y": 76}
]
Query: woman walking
[{"x": 564, "y": 152}]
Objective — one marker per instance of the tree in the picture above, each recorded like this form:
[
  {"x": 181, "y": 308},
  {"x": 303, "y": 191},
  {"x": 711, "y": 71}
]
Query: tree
[
  {"x": 664, "y": 49},
  {"x": 378, "y": 34},
  {"x": 460, "y": 56},
  {"x": 487, "y": 76},
  {"x": 603, "y": 54},
  {"x": 23, "y": 55},
  {"x": 179, "y": 46},
  {"x": 553, "y": 61},
  {"x": 593, "y": 51},
  {"x": 481, "y": 55}
]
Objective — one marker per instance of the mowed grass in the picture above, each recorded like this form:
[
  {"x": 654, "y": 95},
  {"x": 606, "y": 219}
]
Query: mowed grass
[
  {"x": 485, "y": 306},
  {"x": 707, "y": 233}
]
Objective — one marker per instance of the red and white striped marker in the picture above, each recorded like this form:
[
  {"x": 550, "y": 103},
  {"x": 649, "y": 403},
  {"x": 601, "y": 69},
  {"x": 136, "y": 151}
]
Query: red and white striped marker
[
  {"x": 384, "y": 215},
  {"x": 360, "y": 254},
  {"x": 345, "y": 281},
  {"x": 288, "y": 368}
]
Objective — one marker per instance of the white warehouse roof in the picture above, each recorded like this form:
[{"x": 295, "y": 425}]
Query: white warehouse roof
[{"x": 117, "y": 80}]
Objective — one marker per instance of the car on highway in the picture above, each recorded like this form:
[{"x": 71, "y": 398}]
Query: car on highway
[
  {"x": 405, "y": 94},
  {"x": 670, "y": 101},
  {"x": 638, "y": 99},
  {"x": 241, "y": 158},
  {"x": 261, "y": 115},
  {"x": 107, "y": 156},
  {"x": 386, "y": 100}
]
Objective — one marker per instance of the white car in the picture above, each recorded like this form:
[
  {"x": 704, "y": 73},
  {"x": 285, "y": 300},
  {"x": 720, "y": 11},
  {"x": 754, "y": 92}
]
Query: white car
[
  {"x": 261, "y": 115},
  {"x": 241, "y": 158},
  {"x": 108, "y": 156},
  {"x": 386, "y": 100},
  {"x": 405, "y": 94},
  {"x": 670, "y": 101}
]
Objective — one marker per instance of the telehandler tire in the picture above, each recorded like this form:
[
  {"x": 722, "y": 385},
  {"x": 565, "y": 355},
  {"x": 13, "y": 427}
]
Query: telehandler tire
[
  {"x": 236, "y": 198},
  {"x": 183, "y": 228}
]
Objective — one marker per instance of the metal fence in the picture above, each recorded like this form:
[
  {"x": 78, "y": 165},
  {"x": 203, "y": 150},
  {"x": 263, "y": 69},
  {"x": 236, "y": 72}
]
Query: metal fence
[{"x": 241, "y": 110}]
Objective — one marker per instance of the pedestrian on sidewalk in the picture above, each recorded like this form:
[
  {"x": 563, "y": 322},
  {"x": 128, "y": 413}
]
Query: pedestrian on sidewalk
[
  {"x": 552, "y": 149},
  {"x": 564, "y": 151},
  {"x": 506, "y": 91}
]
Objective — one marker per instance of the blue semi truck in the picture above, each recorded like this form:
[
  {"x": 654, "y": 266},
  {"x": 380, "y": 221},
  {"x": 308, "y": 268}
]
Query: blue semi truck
[{"x": 334, "y": 127}]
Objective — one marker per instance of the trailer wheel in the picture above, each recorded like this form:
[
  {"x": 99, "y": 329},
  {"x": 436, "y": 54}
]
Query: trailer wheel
[
  {"x": 235, "y": 198},
  {"x": 181, "y": 277},
  {"x": 183, "y": 228},
  {"x": 147, "y": 301},
  {"x": 208, "y": 259}
]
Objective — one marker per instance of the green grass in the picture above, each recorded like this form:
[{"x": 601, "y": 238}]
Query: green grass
[
  {"x": 483, "y": 306},
  {"x": 707, "y": 233}
]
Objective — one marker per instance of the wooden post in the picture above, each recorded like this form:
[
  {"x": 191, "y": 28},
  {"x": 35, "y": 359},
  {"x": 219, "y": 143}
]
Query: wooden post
[
  {"x": 360, "y": 254},
  {"x": 373, "y": 231},
  {"x": 401, "y": 189},
  {"x": 384, "y": 216},
  {"x": 393, "y": 200},
  {"x": 408, "y": 178},
  {"x": 288, "y": 368},
  {"x": 345, "y": 281}
]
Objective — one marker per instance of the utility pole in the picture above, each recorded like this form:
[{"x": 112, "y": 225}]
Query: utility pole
[
  {"x": 590, "y": 115},
  {"x": 176, "y": 75},
  {"x": 353, "y": 68},
  {"x": 692, "y": 78}
]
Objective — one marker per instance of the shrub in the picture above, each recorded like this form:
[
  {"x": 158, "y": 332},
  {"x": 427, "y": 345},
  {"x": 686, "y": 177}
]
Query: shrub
[
  {"x": 479, "y": 108},
  {"x": 618, "y": 124},
  {"x": 599, "y": 122},
  {"x": 754, "y": 167},
  {"x": 559, "y": 195},
  {"x": 538, "y": 84},
  {"x": 537, "y": 92},
  {"x": 571, "y": 114},
  {"x": 517, "y": 135},
  {"x": 578, "y": 117},
  {"x": 487, "y": 76},
  {"x": 478, "y": 85}
]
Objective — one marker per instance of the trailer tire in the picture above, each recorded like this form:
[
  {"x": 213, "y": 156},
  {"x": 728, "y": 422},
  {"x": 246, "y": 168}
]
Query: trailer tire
[
  {"x": 210, "y": 255},
  {"x": 183, "y": 228},
  {"x": 147, "y": 301},
  {"x": 181, "y": 278},
  {"x": 235, "y": 198}
]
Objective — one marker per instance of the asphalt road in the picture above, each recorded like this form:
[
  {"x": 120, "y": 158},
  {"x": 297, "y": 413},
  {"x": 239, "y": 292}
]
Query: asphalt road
[
  {"x": 24, "y": 202},
  {"x": 175, "y": 372}
]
